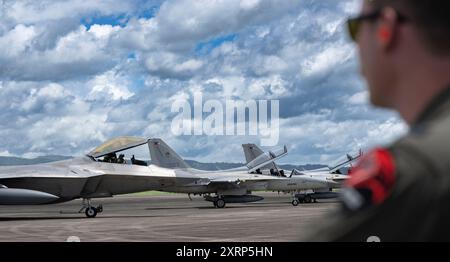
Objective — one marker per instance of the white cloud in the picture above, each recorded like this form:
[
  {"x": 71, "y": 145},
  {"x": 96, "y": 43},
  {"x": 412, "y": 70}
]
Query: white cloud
[
  {"x": 193, "y": 20},
  {"x": 17, "y": 40},
  {"x": 66, "y": 87},
  {"x": 109, "y": 86},
  {"x": 273, "y": 87},
  {"x": 50, "y": 133},
  {"x": 316, "y": 135},
  {"x": 5, "y": 153},
  {"x": 169, "y": 65},
  {"x": 80, "y": 52},
  {"x": 328, "y": 58},
  {"x": 44, "y": 10},
  {"x": 44, "y": 97},
  {"x": 359, "y": 98}
]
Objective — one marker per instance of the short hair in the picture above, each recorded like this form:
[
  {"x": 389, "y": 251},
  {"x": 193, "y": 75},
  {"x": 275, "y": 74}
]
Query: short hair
[{"x": 431, "y": 18}]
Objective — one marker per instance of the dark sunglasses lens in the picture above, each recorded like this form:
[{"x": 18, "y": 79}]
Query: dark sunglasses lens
[{"x": 353, "y": 28}]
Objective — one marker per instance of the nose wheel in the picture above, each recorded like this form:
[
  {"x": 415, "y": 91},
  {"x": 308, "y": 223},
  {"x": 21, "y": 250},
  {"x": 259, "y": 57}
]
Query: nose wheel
[{"x": 89, "y": 210}]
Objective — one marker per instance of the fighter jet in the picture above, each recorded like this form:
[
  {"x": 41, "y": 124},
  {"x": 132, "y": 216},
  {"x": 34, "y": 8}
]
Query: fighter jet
[
  {"x": 96, "y": 175},
  {"x": 100, "y": 173},
  {"x": 236, "y": 185},
  {"x": 321, "y": 176}
]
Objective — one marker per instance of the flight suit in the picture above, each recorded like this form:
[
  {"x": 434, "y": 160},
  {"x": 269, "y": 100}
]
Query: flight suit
[{"x": 400, "y": 193}]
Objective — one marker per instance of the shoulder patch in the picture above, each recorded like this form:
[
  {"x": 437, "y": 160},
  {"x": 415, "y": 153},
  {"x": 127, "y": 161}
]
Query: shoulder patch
[{"x": 372, "y": 179}]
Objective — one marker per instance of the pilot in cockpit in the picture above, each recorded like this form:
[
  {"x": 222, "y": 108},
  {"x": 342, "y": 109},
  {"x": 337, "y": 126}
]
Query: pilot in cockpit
[
  {"x": 110, "y": 158},
  {"x": 121, "y": 159}
]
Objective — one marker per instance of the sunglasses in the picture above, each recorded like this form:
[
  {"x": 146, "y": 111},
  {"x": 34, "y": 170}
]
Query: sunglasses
[{"x": 354, "y": 24}]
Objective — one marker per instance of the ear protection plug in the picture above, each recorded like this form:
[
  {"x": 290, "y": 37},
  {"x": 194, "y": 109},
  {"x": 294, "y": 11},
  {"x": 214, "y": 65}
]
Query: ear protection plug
[{"x": 384, "y": 34}]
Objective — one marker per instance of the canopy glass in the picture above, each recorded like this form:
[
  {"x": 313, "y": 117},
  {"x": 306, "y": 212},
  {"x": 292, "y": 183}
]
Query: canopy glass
[{"x": 117, "y": 144}]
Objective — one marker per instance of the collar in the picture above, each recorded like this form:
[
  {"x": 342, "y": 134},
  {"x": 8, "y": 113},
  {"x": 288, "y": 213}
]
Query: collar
[{"x": 433, "y": 108}]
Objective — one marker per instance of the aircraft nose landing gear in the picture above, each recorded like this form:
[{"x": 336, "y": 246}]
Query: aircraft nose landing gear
[{"x": 90, "y": 210}]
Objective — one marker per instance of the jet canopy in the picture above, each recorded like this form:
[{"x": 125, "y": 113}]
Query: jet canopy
[
  {"x": 343, "y": 161},
  {"x": 266, "y": 158},
  {"x": 117, "y": 144}
]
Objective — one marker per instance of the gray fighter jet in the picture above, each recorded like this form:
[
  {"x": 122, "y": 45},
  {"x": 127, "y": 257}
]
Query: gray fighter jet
[
  {"x": 98, "y": 174},
  {"x": 101, "y": 174},
  {"x": 337, "y": 173},
  {"x": 236, "y": 185}
]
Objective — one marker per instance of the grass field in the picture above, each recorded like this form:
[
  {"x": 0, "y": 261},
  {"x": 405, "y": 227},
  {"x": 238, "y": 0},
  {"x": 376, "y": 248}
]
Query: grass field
[{"x": 152, "y": 193}]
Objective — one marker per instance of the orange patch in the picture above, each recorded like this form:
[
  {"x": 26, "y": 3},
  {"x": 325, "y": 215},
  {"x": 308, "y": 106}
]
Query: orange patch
[{"x": 376, "y": 173}]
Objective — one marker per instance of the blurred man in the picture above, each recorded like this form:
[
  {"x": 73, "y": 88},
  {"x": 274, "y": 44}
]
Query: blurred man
[{"x": 402, "y": 193}]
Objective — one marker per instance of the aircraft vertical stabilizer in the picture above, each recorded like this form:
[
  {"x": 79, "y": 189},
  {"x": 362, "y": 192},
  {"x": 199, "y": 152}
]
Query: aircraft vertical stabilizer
[
  {"x": 252, "y": 151},
  {"x": 164, "y": 156}
]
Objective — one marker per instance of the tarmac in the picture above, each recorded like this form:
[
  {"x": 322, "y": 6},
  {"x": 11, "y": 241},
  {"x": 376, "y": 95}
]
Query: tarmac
[{"x": 172, "y": 218}]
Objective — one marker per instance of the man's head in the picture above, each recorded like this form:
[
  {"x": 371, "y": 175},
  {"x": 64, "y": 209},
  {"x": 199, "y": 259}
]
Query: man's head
[{"x": 395, "y": 35}]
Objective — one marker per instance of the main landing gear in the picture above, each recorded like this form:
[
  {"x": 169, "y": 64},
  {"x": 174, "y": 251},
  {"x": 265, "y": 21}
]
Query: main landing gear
[
  {"x": 90, "y": 210},
  {"x": 219, "y": 203},
  {"x": 300, "y": 198}
]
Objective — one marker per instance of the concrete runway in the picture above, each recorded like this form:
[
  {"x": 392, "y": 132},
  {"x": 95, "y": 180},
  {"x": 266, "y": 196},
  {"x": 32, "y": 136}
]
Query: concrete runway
[{"x": 164, "y": 218}]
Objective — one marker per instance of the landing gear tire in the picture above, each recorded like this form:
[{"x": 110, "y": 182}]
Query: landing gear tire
[
  {"x": 220, "y": 203},
  {"x": 295, "y": 202},
  {"x": 91, "y": 212},
  {"x": 308, "y": 199}
]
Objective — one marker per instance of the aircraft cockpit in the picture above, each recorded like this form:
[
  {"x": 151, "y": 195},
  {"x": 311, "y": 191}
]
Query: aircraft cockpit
[
  {"x": 266, "y": 160},
  {"x": 344, "y": 164},
  {"x": 112, "y": 151}
]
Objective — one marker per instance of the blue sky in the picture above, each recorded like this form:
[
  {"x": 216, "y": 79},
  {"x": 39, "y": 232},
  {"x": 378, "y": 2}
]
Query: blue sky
[
  {"x": 209, "y": 45},
  {"x": 74, "y": 74}
]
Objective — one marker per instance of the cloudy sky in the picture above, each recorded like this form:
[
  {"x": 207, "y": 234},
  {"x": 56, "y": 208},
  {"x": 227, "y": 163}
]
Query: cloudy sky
[{"x": 76, "y": 73}]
